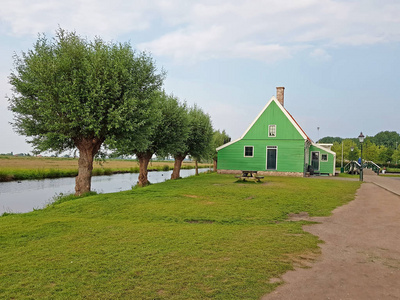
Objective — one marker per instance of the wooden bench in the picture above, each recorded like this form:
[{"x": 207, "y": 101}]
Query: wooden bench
[
  {"x": 249, "y": 175},
  {"x": 258, "y": 178}
]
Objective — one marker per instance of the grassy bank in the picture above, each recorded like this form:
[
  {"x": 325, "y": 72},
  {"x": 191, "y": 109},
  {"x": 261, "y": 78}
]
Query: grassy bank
[
  {"x": 392, "y": 170},
  {"x": 20, "y": 168},
  {"x": 202, "y": 237}
]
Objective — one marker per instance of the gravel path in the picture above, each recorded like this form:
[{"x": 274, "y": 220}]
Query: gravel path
[{"x": 361, "y": 255}]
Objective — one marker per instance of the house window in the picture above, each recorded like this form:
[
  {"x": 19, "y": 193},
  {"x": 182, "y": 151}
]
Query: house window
[
  {"x": 271, "y": 130},
  {"x": 248, "y": 151},
  {"x": 324, "y": 157}
]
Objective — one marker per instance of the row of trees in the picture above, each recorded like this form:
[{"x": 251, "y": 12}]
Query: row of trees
[
  {"x": 389, "y": 139},
  {"x": 71, "y": 93},
  {"x": 383, "y": 148}
]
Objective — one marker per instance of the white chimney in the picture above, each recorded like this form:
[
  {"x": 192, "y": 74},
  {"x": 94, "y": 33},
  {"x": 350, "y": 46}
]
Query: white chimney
[{"x": 280, "y": 91}]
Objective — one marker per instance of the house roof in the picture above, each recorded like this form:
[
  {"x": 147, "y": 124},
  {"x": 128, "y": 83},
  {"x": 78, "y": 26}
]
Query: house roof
[
  {"x": 287, "y": 114},
  {"x": 321, "y": 146}
]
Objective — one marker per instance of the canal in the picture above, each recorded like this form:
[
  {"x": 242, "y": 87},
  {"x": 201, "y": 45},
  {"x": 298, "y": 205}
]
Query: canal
[{"x": 27, "y": 195}]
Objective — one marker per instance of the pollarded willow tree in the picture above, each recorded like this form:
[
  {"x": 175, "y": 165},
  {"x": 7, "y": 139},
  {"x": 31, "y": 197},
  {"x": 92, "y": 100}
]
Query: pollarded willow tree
[
  {"x": 198, "y": 142},
  {"x": 170, "y": 133},
  {"x": 218, "y": 139},
  {"x": 69, "y": 92}
]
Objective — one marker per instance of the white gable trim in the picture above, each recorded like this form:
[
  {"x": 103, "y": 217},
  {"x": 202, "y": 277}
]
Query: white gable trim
[
  {"x": 259, "y": 115},
  {"x": 227, "y": 144},
  {"x": 303, "y": 135},
  {"x": 324, "y": 149},
  {"x": 290, "y": 118}
]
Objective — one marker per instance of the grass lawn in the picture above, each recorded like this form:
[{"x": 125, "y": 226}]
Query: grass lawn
[
  {"x": 202, "y": 237},
  {"x": 393, "y": 170},
  {"x": 390, "y": 175},
  {"x": 346, "y": 175},
  {"x": 19, "y": 168}
]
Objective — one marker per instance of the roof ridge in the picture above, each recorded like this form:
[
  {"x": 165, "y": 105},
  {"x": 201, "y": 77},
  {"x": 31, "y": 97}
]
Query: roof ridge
[{"x": 308, "y": 138}]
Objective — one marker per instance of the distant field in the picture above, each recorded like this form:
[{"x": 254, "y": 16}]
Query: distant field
[
  {"x": 30, "y": 162},
  {"x": 19, "y": 168}
]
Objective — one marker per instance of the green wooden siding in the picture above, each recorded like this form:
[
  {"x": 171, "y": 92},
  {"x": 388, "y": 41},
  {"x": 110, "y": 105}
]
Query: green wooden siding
[
  {"x": 289, "y": 143},
  {"x": 273, "y": 115},
  {"x": 290, "y": 155},
  {"x": 293, "y": 150}
]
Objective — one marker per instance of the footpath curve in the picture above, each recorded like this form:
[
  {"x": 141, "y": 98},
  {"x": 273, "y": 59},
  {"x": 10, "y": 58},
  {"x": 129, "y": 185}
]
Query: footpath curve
[{"x": 361, "y": 251}]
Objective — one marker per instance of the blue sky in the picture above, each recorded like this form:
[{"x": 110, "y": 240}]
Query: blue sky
[{"x": 338, "y": 60}]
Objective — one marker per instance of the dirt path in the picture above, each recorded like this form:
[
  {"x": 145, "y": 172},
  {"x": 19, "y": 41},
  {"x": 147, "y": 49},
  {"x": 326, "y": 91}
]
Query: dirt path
[{"x": 361, "y": 254}]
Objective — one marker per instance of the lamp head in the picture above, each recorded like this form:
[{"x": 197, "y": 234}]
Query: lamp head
[{"x": 361, "y": 138}]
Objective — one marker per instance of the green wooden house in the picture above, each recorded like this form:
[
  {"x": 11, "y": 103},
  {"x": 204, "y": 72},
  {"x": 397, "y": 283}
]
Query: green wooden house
[{"x": 275, "y": 144}]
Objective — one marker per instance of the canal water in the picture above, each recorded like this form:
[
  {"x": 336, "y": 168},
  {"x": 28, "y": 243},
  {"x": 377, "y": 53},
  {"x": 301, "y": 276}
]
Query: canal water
[{"x": 27, "y": 195}]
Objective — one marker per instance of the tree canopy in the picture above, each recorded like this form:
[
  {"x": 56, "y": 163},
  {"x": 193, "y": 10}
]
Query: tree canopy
[
  {"x": 386, "y": 138},
  {"x": 330, "y": 140},
  {"x": 219, "y": 138},
  {"x": 71, "y": 92},
  {"x": 169, "y": 134},
  {"x": 198, "y": 142}
]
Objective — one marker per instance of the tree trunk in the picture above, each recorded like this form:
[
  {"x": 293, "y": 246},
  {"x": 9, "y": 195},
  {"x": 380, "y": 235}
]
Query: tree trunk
[
  {"x": 215, "y": 165},
  {"x": 144, "y": 158},
  {"x": 196, "y": 165},
  {"x": 88, "y": 147},
  {"x": 177, "y": 166}
]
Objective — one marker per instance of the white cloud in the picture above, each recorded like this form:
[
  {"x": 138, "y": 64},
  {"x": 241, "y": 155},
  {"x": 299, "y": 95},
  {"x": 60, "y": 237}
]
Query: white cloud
[
  {"x": 265, "y": 30},
  {"x": 89, "y": 17},
  {"x": 273, "y": 30},
  {"x": 320, "y": 54}
]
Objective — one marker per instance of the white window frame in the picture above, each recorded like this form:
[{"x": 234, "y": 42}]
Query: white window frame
[
  {"x": 269, "y": 130},
  {"x": 244, "y": 151},
  {"x": 322, "y": 155}
]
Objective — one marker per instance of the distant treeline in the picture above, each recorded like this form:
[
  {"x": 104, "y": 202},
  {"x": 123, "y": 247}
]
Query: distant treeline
[
  {"x": 383, "y": 148},
  {"x": 390, "y": 139}
]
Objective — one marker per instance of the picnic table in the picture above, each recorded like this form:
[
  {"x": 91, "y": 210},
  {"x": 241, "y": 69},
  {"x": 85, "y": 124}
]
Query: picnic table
[{"x": 249, "y": 175}]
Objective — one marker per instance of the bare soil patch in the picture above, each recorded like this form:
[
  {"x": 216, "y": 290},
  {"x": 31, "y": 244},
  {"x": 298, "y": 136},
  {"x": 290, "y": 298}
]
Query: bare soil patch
[
  {"x": 192, "y": 196},
  {"x": 299, "y": 217}
]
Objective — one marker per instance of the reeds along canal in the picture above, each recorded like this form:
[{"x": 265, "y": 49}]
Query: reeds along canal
[{"x": 27, "y": 195}]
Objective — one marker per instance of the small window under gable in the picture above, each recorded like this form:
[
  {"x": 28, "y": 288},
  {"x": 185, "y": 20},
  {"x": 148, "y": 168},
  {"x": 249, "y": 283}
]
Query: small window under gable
[
  {"x": 324, "y": 157},
  {"x": 248, "y": 151},
  {"x": 271, "y": 130}
]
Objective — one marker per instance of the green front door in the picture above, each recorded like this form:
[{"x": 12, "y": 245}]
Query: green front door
[
  {"x": 315, "y": 160},
  {"x": 271, "y": 157}
]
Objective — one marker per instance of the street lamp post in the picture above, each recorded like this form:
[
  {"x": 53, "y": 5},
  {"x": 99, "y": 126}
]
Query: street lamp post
[
  {"x": 341, "y": 165},
  {"x": 361, "y": 139},
  {"x": 353, "y": 165}
]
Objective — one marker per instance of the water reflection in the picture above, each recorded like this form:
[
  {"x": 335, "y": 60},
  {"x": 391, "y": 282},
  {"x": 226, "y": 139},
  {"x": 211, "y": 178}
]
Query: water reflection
[{"x": 27, "y": 195}]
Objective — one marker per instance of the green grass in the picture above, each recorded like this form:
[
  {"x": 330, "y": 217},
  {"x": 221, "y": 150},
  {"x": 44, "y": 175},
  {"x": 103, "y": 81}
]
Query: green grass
[
  {"x": 389, "y": 175},
  {"x": 392, "y": 170},
  {"x": 346, "y": 175},
  {"x": 22, "y": 174},
  {"x": 202, "y": 237}
]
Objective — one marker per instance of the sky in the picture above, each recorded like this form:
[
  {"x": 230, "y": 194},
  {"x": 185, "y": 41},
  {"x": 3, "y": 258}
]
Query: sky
[{"x": 338, "y": 60}]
